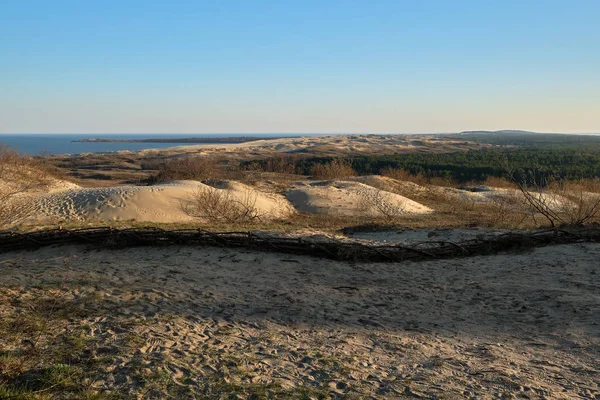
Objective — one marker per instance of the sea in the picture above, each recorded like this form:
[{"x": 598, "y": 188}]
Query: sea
[{"x": 50, "y": 143}]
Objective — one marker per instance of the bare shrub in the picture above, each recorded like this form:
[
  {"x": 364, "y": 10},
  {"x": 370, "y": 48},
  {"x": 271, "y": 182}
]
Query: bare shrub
[
  {"x": 184, "y": 168},
  {"x": 503, "y": 210},
  {"x": 333, "y": 170},
  {"x": 151, "y": 164},
  {"x": 281, "y": 164},
  {"x": 380, "y": 202},
  {"x": 217, "y": 205},
  {"x": 506, "y": 210},
  {"x": 403, "y": 175},
  {"x": 18, "y": 174},
  {"x": 419, "y": 179},
  {"x": 15, "y": 210},
  {"x": 460, "y": 203},
  {"x": 582, "y": 203},
  {"x": 559, "y": 201}
]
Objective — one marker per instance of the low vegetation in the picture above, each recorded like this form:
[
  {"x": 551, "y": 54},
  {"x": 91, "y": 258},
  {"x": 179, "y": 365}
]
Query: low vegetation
[
  {"x": 18, "y": 175},
  {"x": 221, "y": 206},
  {"x": 334, "y": 169},
  {"x": 184, "y": 168},
  {"x": 562, "y": 202},
  {"x": 473, "y": 165},
  {"x": 387, "y": 210}
]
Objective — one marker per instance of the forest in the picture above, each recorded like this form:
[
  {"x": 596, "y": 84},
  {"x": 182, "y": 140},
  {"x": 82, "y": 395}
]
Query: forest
[{"x": 523, "y": 163}]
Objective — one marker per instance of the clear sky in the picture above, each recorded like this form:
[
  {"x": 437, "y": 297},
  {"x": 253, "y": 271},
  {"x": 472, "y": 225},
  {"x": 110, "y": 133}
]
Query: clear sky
[{"x": 299, "y": 66}]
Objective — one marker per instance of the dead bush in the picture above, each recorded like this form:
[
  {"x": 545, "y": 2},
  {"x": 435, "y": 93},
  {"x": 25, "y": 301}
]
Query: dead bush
[
  {"x": 380, "y": 202},
  {"x": 151, "y": 164},
  {"x": 582, "y": 203},
  {"x": 281, "y": 164},
  {"x": 506, "y": 210},
  {"x": 219, "y": 205},
  {"x": 404, "y": 175},
  {"x": 333, "y": 170},
  {"x": 18, "y": 174},
  {"x": 185, "y": 168},
  {"x": 419, "y": 179},
  {"x": 560, "y": 201},
  {"x": 503, "y": 209}
]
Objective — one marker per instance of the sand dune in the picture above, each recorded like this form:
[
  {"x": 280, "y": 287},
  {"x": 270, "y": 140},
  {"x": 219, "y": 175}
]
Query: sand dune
[
  {"x": 345, "y": 197},
  {"x": 158, "y": 203},
  {"x": 364, "y": 196},
  {"x": 164, "y": 202},
  {"x": 553, "y": 201},
  {"x": 338, "y": 144}
]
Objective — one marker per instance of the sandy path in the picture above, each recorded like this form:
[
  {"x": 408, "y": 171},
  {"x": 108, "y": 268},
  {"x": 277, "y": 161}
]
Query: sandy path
[{"x": 522, "y": 325}]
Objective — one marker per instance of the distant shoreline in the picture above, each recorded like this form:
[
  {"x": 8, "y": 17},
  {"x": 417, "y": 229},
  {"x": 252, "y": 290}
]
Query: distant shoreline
[{"x": 181, "y": 140}]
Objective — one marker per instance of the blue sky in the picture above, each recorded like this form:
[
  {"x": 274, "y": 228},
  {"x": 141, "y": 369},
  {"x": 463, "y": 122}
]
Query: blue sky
[{"x": 299, "y": 66}]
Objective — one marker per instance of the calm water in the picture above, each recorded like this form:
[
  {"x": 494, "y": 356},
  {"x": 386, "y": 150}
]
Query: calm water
[{"x": 36, "y": 144}]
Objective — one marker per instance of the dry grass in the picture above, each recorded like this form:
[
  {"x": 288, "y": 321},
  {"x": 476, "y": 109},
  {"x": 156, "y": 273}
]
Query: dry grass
[
  {"x": 18, "y": 174},
  {"x": 335, "y": 169},
  {"x": 505, "y": 211},
  {"x": 404, "y": 176},
  {"x": 419, "y": 179}
]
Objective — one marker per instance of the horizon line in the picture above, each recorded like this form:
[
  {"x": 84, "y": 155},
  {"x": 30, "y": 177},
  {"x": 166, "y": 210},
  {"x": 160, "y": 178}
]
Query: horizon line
[{"x": 298, "y": 133}]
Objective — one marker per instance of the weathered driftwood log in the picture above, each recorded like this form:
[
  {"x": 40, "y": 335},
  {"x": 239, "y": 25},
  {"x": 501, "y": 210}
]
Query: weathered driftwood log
[{"x": 108, "y": 237}]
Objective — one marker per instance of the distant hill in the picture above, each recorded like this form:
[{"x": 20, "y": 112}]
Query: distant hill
[
  {"x": 505, "y": 132},
  {"x": 528, "y": 139}
]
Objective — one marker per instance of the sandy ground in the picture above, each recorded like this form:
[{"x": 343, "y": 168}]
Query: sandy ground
[{"x": 504, "y": 326}]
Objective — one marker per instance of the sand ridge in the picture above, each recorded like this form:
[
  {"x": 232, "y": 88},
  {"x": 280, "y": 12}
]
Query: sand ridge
[
  {"x": 337, "y": 144},
  {"x": 374, "y": 197},
  {"x": 157, "y": 203},
  {"x": 165, "y": 202},
  {"x": 345, "y": 197}
]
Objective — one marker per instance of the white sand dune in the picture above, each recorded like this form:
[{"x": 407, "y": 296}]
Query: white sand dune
[
  {"x": 338, "y": 144},
  {"x": 158, "y": 203},
  {"x": 345, "y": 197},
  {"x": 164, "y": 203},
  {"x": 371, "y": 196},
  {"x": 553, "y": 201}
]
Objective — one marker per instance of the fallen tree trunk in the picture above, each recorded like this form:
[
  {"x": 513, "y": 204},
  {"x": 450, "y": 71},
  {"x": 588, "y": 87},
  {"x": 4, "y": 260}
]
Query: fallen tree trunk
[{"x": 345, "y": 250}]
